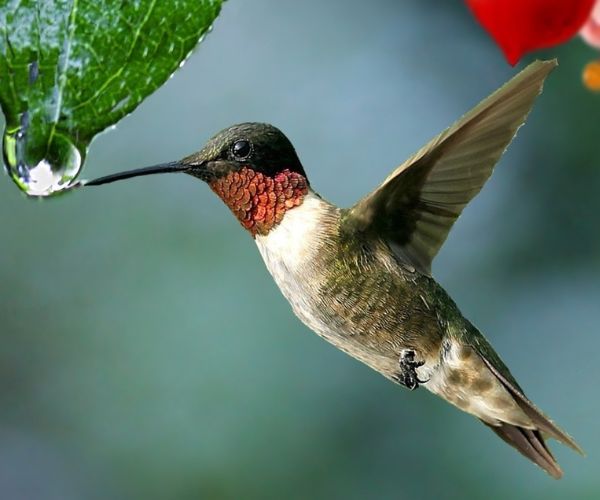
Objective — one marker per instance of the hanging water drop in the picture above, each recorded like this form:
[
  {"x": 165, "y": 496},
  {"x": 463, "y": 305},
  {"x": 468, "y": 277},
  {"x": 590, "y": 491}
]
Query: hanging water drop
[{"x": 41, "y": 169}]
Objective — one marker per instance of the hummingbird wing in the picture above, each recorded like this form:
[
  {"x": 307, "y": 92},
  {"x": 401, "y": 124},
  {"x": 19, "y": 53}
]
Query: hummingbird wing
[{"x": 416, "y": 206}]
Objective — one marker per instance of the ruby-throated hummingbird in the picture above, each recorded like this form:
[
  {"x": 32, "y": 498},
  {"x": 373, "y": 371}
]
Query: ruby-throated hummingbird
[{"x": 361, "y": 277}]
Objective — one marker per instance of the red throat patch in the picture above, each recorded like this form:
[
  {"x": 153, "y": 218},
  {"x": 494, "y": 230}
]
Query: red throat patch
[{"x": 259, "y": 201}]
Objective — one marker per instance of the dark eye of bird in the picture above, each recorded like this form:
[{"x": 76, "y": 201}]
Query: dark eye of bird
[{"x": 241, "y": 150}]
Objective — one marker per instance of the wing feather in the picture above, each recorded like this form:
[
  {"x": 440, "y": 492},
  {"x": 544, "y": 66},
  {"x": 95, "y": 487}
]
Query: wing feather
[{"x": 416, "y": 206}]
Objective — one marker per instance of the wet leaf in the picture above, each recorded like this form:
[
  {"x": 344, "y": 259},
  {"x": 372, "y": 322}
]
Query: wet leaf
[{"x": 71, "y": 68}]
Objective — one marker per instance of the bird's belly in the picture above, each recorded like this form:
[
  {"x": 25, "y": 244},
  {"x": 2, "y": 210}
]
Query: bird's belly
[
  {"x": 328, "y": 322},
  {"x": 318, "y": 313},
  {"x": 371, "y": 314}
]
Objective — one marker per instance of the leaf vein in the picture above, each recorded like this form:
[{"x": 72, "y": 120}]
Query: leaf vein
[
  {"x": 118, "y": 73},
  {"x": 62, "y": 71}
]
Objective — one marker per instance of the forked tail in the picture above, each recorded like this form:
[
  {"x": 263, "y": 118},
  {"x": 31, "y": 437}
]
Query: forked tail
[{"x": 531, "y": 442}]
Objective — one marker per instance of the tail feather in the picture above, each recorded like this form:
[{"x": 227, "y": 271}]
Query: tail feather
[
  {"x": 529, "y": 443},
  {"x": 541, "y": 421},
  {"x": 472, "y": 377}
]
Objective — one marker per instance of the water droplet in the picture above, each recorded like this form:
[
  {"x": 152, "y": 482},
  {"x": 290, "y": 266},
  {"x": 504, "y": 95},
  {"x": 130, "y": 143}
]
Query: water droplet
[
  {"x": 34, "y": 72},
  {"x": 121, "y": 104},
  {"x": 41, "y": 171}
]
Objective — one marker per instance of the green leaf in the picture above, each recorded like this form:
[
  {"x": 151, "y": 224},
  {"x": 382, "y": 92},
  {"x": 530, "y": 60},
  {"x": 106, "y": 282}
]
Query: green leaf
[{"x": 71, "y": 68}]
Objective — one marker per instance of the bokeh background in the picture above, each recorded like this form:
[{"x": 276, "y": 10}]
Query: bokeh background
[{"x": 147, "y": 354}]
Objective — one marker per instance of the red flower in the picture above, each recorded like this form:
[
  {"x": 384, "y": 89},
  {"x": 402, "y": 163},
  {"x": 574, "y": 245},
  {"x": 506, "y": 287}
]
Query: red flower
[
  {"x": 520, "y": 26},
  {"x": 591, "y": 29}
]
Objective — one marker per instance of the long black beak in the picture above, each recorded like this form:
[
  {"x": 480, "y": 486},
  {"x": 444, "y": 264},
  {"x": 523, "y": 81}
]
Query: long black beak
[{"x": 163, "y": 168}]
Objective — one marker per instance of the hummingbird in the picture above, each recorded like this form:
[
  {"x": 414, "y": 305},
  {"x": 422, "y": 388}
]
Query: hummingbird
[{"x": 361, "y": 278}]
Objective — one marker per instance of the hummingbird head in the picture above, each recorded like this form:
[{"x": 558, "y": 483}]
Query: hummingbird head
[
  {"x": 252, "y": 167},
  {"x": 257, "y": 146}
]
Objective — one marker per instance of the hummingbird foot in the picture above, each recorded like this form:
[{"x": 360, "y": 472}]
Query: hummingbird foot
[{"x": 408, "y": 370}]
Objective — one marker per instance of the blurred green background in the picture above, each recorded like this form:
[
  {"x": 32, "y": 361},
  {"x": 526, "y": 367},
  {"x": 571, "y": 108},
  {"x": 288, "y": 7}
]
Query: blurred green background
[{"x": 146, "y": 353}]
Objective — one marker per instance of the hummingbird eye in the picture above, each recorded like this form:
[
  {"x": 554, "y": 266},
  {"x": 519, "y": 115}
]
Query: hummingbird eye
[{"x": 241, "y": 149}]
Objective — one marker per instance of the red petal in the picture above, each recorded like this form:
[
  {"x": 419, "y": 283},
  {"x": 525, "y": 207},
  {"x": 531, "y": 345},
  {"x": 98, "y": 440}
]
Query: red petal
[
  {"x": 591, "y": 29},
  {"x": 520, "y": 26}
]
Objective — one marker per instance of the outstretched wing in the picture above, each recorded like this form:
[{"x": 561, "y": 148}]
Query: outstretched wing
[{"x": 416, "y": 206}]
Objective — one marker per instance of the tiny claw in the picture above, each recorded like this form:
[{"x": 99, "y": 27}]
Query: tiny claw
[{"x": 408, "y": 376}]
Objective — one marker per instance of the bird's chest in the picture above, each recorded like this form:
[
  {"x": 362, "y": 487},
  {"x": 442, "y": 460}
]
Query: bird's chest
[
  {"x": 291, "y": 252},
  {"x": 296, "y": 254}
]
